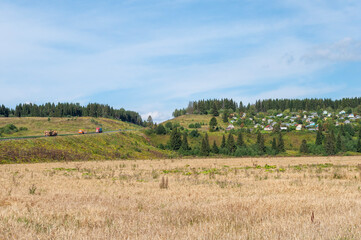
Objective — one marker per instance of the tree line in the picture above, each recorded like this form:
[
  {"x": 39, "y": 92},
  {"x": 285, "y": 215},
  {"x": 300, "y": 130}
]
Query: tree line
[
  {"x": 70, "y": 110},
  {"x": 338, "y": 140},
  {"x": 307, "y": 104}
]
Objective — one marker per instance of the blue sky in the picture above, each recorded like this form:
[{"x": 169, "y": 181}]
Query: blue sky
[{"x": 155, "y": 56}]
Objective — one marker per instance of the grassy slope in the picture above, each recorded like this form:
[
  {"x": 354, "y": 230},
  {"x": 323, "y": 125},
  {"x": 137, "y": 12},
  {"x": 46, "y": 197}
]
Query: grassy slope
[
  {"x": 292, "y": 139},
  {"x": 124, "y": 145},
  {"x": 37, "y": 125}
]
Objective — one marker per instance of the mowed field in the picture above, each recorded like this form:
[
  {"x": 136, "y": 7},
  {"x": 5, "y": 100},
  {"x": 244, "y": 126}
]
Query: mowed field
[
  {"x": 37, "y": 125},
  {"x": 245, "y": 198}
]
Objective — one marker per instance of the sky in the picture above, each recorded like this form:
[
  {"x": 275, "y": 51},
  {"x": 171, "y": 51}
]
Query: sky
[{"x": 155, "y": 56}]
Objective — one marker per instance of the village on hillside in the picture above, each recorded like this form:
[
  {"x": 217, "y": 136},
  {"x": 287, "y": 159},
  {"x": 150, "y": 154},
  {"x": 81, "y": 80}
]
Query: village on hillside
[{"x": 291, "y": 121}]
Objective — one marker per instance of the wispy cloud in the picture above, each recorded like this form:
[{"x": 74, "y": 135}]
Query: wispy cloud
[{"x": 165, "y": 53}]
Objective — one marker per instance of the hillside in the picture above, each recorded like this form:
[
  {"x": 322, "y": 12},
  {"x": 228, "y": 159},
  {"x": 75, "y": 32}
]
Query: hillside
[
  {"x": 121, "y": 145},
  {"x": 271, "y": 141},
  {"x": 35, "y": 126}
]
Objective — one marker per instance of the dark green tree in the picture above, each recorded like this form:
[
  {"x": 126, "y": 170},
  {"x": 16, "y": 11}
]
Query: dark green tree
[
  {"x": 150, "y": 121},
  {"x": 212, "y": 124},
  {"x": 281, "y": 143},
  {"x": 204, "y": 149},
  {"x": 160, "y": 130},
  {"x": 223, "y": 144},
  {"x": 260, "y": 142},
  {"x": 231, "y": 146},
  {"x": 215, "y": 147},
  {"x": 339, "y": 143},
  {"x": 319, "y": 137},
  {"x": 240, "y": 142},
  {"x": 175, "y": 139},
  {"x": 274, "y": 145},
  {"x": 359, "y": 145},
  {"x": 304, "y": 147},
  {"x": 329, "y": 144},
  {"x": 185, "y": 145},
  {"x": 215, "y": 110},
  {"x": 207, "y": 142},
  {"x": 225, "y": 116}
]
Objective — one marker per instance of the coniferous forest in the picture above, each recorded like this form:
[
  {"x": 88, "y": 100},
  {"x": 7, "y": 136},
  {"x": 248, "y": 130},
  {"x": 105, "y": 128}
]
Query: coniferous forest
[
  {"x": 308, "y": 104},
  {"x": 70, "y": 109}
]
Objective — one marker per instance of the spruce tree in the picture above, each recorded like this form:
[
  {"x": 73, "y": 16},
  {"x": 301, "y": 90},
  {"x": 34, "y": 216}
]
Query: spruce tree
[
  {"x": 260, "y": 142},
  {"x": 207, "y": 142},
  {"x": 185, "y": 145},
  {"x": 160, "y": 130},
  {"x": 223, "y": 144},
  {"x": 342, "y": 130},
  {"x": 225, "y": 116},
  {"x": 231, "y": 146},
  {"x": 281, "y": 143},
  {"x": 215, "y": 110},
  {"x": 215, "y": 147},
  {"x": 329, "y": 144},
  {"x": 319, "y": 136},
  {"x": 359, "y": 145},
  {"x": 304, "y": 147},
  {"x": 274, "y": 145},
  {"x": 175, "y": 139},
  {"x": 204, "y": 151},
  {"x": 240, "y": 142},
  {"x": 212, "y": 124},
  {"x": 339, "y": 143}
]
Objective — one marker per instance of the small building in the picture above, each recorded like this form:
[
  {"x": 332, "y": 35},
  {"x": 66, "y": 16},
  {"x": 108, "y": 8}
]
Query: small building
[
  {"x": 230, "y": 127},
  {"x": 283, "y": 128},
  {"x": 342, "y": 112},
  {"x": 299, "y": 127},
  {"x": 268, "y": 128}
]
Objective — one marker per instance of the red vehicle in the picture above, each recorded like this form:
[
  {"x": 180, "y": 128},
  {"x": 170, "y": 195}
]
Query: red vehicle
[{"x": 98, "y": 130}]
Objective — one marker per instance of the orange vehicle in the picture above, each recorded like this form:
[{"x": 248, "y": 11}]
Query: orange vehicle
[
  {"x": 81, "y": 131},
  {"x": 50, "y": 133}
]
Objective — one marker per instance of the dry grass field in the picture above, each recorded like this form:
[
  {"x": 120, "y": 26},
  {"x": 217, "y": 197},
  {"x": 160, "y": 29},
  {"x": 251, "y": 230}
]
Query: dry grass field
[{"x": 249, "y": 198}]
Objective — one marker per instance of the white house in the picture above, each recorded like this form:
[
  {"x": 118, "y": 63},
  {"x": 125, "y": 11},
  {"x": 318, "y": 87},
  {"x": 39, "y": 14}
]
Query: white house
[
  {"x": 299, "y": 127},
  {"x": 268, "y": 128},
  {"x": 230, "y": 127},
  {"x": 342, "y": 112}
]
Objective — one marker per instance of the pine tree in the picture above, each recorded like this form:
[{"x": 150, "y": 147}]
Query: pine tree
[
  {"x": 215, "y": 147},
  {"x": 212, "y": 124},
  {"x": 281, "y": 143},
  {"x": 225, "y": 116},
  {"x": 185, "y": 145},
  {"x": 240, "y": 141},
  {"x": 260, "y": 142},
  {"x": 304, "y": 147},
  {"x": 204, "y": 151},
  {"x": 207, "y": 142},
  {"x": 329, "y": 144},
  {"x": 274, "y": 145},
  {"x": 359, "y": 145},
  {"x": 150, "y": 121},
  {"x": 223, "y": 144},
  {"x": 319, "y": 136},
  {"x": 175, "y": 139},
  {"x": 231, "y": 146},
  {"x": 160, "y": 130},
  {"x": 342, "y": 130},
  {"x": 215, "y": 110},
  {"x": 339, "y": 143}
]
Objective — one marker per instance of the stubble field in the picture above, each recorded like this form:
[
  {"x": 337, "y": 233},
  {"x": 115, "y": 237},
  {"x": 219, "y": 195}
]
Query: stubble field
[{"x": 246, "y": 198}]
